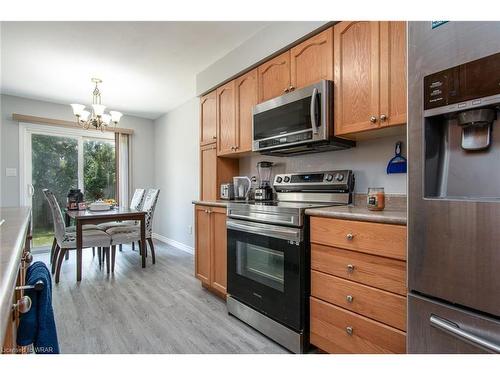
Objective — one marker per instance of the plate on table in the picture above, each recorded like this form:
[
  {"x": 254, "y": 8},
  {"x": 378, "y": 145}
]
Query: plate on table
[{"x": 100, "y": 206}]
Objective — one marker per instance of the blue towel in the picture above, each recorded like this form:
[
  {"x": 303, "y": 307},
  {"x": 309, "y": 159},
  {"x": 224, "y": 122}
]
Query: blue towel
[{"x": 38, "y": 326}]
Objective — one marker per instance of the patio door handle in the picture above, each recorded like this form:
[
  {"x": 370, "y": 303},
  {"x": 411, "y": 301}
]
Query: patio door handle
[{"x": 31, "y": 190}]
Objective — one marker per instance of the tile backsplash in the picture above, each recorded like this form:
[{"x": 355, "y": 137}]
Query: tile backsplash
[{"x": 368, "y": 160}]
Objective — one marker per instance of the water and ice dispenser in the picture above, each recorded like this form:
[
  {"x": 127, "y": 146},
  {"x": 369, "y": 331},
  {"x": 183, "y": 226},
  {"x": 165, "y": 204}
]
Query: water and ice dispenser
[{"x": 462, "y": 131}]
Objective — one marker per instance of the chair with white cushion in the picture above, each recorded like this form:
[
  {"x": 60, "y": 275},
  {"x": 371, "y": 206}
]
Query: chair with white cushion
[
  {"x": 66, "y": 241},
  {"x": 69, "y": 229},
  {"x": 135, "y": 204},
  {"x": 132, "y": 233}
]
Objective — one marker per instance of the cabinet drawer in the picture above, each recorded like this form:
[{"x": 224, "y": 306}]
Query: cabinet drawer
[
  {"x": 330, "y": 325},
  {"x": 386, "y": 240},
  {"x": 386, "y": 307},
  {"x": 383, "y": 273}
]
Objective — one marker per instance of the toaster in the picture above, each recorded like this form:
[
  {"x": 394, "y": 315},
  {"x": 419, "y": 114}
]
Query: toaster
[{"x": 227, "y": 191}]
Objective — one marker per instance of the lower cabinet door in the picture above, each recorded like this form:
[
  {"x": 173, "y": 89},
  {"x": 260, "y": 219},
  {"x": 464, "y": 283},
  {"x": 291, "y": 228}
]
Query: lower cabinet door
[
  {"x": 336, "y": 330},
  {"x": 202, "y": 245},
  {"x": 219, "y": 249}
]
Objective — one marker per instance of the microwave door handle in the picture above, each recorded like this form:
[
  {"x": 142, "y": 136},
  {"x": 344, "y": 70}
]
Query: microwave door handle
[
  {"x": 468, "y": 337},
  {"x": 314, "y": 98}
]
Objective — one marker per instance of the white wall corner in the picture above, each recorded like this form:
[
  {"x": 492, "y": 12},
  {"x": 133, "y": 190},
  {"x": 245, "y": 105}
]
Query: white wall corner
[{"x": 174, "y": 243}]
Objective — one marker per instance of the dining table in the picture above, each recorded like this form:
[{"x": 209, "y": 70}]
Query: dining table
[{"x": 87, "y": 216}]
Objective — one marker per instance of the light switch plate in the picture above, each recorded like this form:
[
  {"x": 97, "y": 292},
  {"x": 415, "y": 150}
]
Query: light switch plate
[{"x": 10, "y": 172}]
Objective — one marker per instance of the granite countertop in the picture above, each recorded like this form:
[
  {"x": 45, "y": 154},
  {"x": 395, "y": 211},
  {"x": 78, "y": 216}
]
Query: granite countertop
[
  {"x": 212, "y": 203},
  {"x": 12, "y": 236},
  {"x": 394, "y": 212}
]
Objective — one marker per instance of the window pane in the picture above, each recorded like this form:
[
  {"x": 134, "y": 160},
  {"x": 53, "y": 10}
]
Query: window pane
[
  {"x": 99, "y": 169},
  {"x": 54, "y": 167}
]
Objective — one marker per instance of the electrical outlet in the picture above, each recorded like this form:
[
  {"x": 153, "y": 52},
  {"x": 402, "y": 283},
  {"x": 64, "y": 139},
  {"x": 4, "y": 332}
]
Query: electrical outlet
[
  {"x": 190, "y": 229},
  {"x": 10, "y": 172}
]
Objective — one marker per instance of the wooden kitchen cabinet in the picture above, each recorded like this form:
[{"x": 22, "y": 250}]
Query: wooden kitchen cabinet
[
  {"x": 312, "y": 60},
  {"x": 356, "y": 76},
  {"x": 246, "y": 89},
  {"x": 215, "y": 171},
  {"x": 274, "y": 77},
  {"x": 208, "y": 165},
  {"x": 208, "y": 118},
  {"x": 202, "y": 243},
  {"x": 226, "y": 119},
  {"x": 219, "y": 249},
  {"x": 393, "y": 85},
  {"x": 211, "y": 247},
  {"x": 358, "y": 286},
  {"x": 369, "y": 75}
]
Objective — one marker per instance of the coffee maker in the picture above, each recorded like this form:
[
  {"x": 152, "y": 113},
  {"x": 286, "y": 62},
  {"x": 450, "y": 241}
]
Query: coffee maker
[{"x": 265, "y": 191}]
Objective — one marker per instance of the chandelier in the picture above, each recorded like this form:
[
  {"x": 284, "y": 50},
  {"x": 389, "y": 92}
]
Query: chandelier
[{"x": 95, "y": 118}]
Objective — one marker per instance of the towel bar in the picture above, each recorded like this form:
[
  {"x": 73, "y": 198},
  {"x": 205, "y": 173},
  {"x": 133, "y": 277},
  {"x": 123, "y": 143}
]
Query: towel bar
[{"x": 39, "y": 285}]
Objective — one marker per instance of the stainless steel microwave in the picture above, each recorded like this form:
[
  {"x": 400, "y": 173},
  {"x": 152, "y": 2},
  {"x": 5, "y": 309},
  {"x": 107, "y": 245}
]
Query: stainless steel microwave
[{"x": 297, "y": 123}]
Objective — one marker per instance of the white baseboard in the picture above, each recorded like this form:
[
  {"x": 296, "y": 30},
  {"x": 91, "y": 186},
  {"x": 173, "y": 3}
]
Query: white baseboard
[{"x": 174, "y": 243}]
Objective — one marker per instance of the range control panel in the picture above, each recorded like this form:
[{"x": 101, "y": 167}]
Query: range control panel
[{"x": 339, "y": 180}]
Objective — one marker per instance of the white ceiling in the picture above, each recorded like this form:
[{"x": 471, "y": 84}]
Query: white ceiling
[{"x": 147, "y": 68}]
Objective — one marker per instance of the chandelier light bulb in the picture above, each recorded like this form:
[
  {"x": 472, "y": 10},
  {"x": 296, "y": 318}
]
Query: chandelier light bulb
[
  {"x": 106, "y": 118},
  {"x": 115, "y": 116},
  {"x": 84, "y": 116},
  {"x": 98, "y": 109},
  {"x": 77, "y": 109}
]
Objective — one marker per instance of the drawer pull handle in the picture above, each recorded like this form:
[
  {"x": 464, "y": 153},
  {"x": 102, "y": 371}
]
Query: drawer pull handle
[
  {"x": 349, "y": 330},
  {"x": 349, "y": 236},
  {"x": 349, "y": 299},
  {"x": 350, "y": 268}
]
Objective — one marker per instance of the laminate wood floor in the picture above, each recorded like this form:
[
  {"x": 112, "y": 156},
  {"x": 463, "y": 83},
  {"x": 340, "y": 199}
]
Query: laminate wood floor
[{"x": 159, "y": 309}]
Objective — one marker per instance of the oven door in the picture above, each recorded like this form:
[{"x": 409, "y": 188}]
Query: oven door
[
  {"x": 300, "y": 117},
  {"x": 266, "y": 269}
]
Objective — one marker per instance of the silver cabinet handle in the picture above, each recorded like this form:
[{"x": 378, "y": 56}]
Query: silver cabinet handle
[
  {"x": 373, "y": 119},
  {"x": 349, "y": 236},
  {"x": 349, "y": 298},
  {"x": 350, "y": 268},
  {"x": 312, "y": 111},
  {"x": 383, "y": 117},
  {"x": 470, "y": 338},
  {"x": 349, "y": 330}
]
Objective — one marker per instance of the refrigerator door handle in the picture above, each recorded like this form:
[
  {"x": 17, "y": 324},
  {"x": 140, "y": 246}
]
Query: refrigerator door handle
[{"x": 455, "y": 330}]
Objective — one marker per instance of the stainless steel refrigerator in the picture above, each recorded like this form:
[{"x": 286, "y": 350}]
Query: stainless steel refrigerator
[{"x": 454, "y": 187}]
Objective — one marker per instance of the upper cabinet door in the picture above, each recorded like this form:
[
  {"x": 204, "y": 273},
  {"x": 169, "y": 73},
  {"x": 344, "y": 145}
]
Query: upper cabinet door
[
  {"x": 312, "y": 60},
  {"x": 226, "y": 120},
  {"x": 246, "y": 88},
  {"x": 356, "y": 76},
  {"x": 274, "y": 77},
  {"x": 392, "y": 73},
  {"x": 208, "y": 126}
]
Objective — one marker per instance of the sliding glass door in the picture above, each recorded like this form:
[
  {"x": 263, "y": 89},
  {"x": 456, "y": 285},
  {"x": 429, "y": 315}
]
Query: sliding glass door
[{"x": 60, "y": 160}]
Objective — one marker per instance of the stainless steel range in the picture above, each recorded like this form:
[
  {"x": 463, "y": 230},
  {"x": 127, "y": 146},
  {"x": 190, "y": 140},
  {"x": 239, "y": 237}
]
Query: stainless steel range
[{"x": 269, "y": 254}]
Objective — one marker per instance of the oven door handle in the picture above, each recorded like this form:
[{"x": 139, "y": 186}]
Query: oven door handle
[
  {"x": 468, "y": 337},
  {"x": 314, "y": 99},
  {"x": 290, "y": 234}
]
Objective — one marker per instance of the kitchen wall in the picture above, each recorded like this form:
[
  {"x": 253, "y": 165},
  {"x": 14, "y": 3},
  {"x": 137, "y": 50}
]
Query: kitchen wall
[
  {"x": 143, "y": 161},
  {"x": 368, "y": 160},
  {"x": 177, "y": 173}
]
